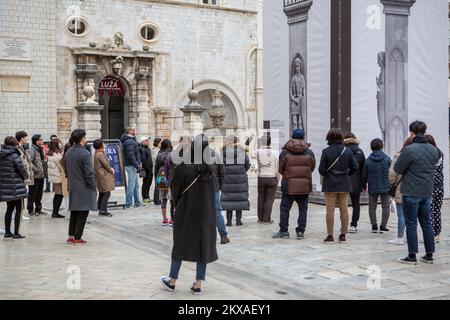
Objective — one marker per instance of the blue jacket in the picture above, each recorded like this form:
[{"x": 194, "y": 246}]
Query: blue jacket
[
  {"x": 376, "y": 172},
  {"x": 130, "y": 149}
]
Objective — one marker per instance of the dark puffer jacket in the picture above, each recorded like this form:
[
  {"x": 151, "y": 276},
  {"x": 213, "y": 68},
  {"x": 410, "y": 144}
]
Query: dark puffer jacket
[
  {"x": 417, "y": 163},
  {"x": 297, "y": 163},
  {"x": 337, "y": 179},
  {"x": 376, "y": 172},
  {"x": 131, "y": 154},
  {"x": 235, "y": 184},
  {"x": 12, "y": 175},
  {"x": 356, "y": 177}
]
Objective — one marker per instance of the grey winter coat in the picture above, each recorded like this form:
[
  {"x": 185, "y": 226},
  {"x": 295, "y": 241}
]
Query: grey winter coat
[
  {"x": 235, "y": 184},
  {"x": 417, "y": 163},
  {"x": 80, "y": 179}
]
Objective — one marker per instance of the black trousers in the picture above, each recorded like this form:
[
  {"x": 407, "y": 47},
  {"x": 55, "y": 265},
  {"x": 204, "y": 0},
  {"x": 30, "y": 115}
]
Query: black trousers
[
  {"x": 146, "y": 184},
  {"x": 267, "y": 188},
  {"x": 230, "y": 215},
  {"x": 156, "y": 199},
  {"x": 77, "y": 223},
  {"x": 356, "y": 205},
  {"x": 10, "y": 206},
  {"x": 102, "y": 202},
  {"x": 57, "y": 201},
  {"x": 35, "y": 193}
]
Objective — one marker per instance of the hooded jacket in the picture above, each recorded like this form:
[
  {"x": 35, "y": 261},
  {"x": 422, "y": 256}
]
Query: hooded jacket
[
  {"x": 356, "y": 177},
  {"x": 376, "y": 172},
  {"x": 297, "y": 163},
  {"x": 12, "y": 175}
]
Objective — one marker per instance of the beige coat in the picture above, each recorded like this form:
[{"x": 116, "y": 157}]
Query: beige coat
[
  {"x": 395, "y": 178},
  {"x": 103, "y": 172},
  {"x": 55, "y": 168},
  {"x": 26, "y": 161}
]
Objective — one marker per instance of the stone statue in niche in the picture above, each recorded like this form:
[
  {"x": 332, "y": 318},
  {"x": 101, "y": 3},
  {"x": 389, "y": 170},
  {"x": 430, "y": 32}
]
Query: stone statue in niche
[
  {"x": 381, "y": 93},
  {"x": 297, "y": 92},
  {"x": 117, "y": 65},
  {"x": 118, "y": 39}
]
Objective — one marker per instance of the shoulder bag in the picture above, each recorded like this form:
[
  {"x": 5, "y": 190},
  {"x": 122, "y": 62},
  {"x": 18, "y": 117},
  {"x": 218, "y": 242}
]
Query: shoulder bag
[{"x": 334, "y": 163}]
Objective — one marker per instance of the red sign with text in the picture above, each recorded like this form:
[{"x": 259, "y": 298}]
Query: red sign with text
[{"x": 111, "y": 86}]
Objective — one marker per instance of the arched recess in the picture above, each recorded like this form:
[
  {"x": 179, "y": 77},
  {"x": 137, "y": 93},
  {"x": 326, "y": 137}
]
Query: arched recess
[{"x": 228, "y": 93}]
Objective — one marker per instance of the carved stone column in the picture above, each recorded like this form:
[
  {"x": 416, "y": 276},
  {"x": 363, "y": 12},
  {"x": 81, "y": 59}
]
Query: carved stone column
[
  {"x": 297, "y": 13},
  {"x": 89, "y": 115},
  {"x": 143, "y": 110},
  {"x": 193, "y": 115},
  {"x": 396, "y": 73}
]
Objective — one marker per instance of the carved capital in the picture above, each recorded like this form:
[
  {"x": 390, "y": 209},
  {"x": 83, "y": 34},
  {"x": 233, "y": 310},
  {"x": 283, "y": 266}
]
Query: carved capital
[
  {"x": 398, "y": 7},
  {"x": 297, "y": 10}
]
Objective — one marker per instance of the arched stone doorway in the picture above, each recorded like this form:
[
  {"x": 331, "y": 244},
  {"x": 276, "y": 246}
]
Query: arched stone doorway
[
  {"x": 113, "y": 93},
  {"x": 234, "y": 111}
]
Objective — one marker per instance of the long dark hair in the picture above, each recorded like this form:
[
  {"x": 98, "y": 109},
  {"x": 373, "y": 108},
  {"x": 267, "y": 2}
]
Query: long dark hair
[
  {"x": 54, "y": 147},
  {"x": 204, "y": 166},
  {"x": 67, "y": 146},
  {"x": 166, "y": 145}
]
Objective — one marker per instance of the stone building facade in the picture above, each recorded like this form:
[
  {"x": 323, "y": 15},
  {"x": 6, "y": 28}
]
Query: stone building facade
[{"x": 151, "y": 50}]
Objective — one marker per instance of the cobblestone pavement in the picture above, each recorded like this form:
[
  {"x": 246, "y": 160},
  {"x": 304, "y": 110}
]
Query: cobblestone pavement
[{"x": 126, "y": 255}]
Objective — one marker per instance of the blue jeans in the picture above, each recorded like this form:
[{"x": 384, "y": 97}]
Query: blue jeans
[
  {"x": 219, "y": 218},
  {"x": 401, "y": 221},
  {"x": 132, "y": 189},
  {"x": 176, "y": 266},
  {"x": 287, "y": 201},
  {"x": 414, "y": 209}
]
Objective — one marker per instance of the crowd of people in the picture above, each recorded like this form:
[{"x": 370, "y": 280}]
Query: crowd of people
[{"x": 196, "y": 183}]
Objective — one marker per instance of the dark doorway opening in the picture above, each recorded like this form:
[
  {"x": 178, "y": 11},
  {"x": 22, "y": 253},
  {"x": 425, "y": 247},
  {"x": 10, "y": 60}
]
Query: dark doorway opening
[{"x": 114, "y": 115}]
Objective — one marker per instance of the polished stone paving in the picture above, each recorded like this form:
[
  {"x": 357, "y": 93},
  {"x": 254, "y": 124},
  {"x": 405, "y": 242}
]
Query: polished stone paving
[{"x": 126, "y": 255}]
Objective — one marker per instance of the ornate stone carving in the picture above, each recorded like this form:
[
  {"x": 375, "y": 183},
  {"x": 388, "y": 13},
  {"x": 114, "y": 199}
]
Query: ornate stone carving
[
  {"x": 297, "y": 93},
  {"x": 117, "y": 65},
  {"x": 381, "y": 93},
  {"x": 217, "y": 113},
  {"x": 118, "y": 39},
  {"x": 89, "y": 96}
]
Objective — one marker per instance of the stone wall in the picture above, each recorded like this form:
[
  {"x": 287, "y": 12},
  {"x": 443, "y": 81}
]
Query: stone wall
[
  {"x": 32, "y": 106},
  {"x": 196, "y": 42}
]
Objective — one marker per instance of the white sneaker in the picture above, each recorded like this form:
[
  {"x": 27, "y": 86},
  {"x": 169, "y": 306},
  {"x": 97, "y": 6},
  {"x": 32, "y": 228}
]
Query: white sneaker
[
  {"x": 353, "y": 229},
  {"x": 397, "y": 241},
  {"x": 25, "y": 218}
]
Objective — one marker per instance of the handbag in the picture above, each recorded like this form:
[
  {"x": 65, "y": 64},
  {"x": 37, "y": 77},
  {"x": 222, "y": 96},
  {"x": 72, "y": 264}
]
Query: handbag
[
  {"x": 142, "y": 173},
  {"x": 393, "y": 190},
  {"x": 334, "y": 163}
]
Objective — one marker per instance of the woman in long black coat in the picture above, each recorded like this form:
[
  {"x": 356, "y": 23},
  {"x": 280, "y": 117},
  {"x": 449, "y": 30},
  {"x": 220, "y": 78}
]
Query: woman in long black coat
[
  {"x": 235, "y": 193},
  {"x": 336, "y": 167},
  {"x": 194, "y": 229},
  {"x": 12, "y": 185}
]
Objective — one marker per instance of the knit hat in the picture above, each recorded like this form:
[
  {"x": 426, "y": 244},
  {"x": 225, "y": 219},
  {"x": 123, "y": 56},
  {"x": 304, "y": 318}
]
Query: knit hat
[{"x": 298, "y": 134}]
